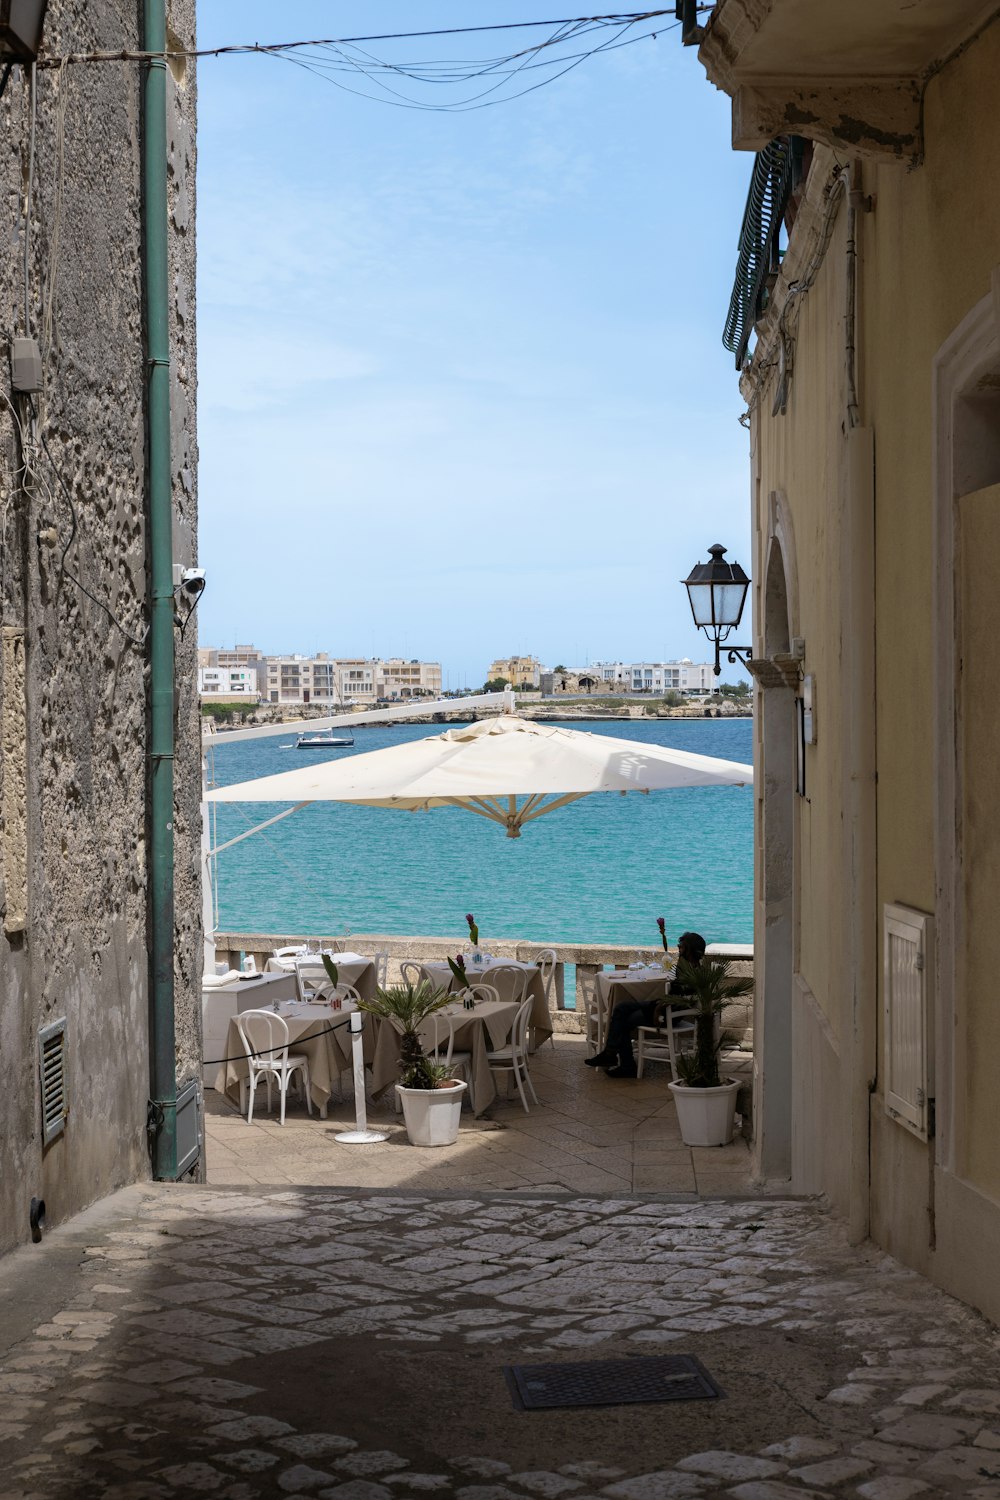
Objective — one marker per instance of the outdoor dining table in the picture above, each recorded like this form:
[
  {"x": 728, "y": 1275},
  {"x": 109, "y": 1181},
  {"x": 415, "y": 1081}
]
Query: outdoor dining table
[
  {"x": 313, "y": 1030},
  {"x": 644, "y": 982},
  {"x": 486, "y": 1026},
  {"x": 352, "y": 968},
  {"x": 539, "y": 1020}
]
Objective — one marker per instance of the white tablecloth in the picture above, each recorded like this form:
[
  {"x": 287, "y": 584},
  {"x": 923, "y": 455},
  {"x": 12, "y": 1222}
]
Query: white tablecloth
[
  {"x": 633, "y": 984},
  {"x": 487, "y": 1026},
  {"x": 352, "y": 968},
  {"x": 222, "y": 997},
  {"x": 440, "y": 974},
  {"x": 313, "y": 1030}
]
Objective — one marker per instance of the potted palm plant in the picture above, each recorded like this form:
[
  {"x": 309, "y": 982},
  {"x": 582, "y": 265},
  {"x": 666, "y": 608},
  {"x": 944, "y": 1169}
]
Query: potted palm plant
[
  {"x": 706, "y": 1103},
  {"x": 432, "y": 1101}
]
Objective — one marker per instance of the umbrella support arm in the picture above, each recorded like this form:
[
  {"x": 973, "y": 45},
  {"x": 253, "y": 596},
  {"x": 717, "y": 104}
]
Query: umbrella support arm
[
  {"x": 256, "y": 829},
  {"x": 510, "y": 816}
]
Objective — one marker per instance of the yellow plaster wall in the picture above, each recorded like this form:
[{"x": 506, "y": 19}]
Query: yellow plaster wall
[
  {"x": 801, "y": 456},
  {"x": 929, "y": 249},
  {"x": 979, "y": 528}
]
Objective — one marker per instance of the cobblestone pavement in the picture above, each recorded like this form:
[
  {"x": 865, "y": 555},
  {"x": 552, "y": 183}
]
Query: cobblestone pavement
[
  {"x": 589, "y": 1134},
  {"x": 183, "y": 1341}
]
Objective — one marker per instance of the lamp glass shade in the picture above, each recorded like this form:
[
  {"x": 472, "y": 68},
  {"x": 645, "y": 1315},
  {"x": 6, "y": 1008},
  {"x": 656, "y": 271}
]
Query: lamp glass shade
[
  {"x": 700, "y": 595},
  {"x": 21, "y": 23},
  {"x": 717, "y": 591},
  {"x": 727, "y": 602}
]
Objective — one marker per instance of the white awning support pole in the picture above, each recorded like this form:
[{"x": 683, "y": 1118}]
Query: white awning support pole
[{"x": 360, "y": 1135}]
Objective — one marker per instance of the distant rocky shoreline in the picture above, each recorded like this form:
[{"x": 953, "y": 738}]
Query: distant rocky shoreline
[{"x": 546, "y": 713}]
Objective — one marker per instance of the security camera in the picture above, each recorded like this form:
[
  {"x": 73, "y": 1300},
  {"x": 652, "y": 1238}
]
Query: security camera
[{"x": 191, "y": 582}]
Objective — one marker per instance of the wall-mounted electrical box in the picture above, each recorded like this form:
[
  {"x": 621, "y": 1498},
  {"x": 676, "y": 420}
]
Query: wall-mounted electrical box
[
  {"x": 26, "y": 366},
  {"x": 21, "y": 23}
]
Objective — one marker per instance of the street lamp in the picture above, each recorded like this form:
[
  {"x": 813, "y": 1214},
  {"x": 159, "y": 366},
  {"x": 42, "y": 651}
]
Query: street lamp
[
  {"x": 717, "y": 591},
  {"x": 20, "y": 30}
]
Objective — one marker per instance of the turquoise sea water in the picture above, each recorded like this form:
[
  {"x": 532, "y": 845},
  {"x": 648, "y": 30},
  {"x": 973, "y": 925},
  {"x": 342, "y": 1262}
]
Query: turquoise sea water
[{"x": 601, "y": 870}]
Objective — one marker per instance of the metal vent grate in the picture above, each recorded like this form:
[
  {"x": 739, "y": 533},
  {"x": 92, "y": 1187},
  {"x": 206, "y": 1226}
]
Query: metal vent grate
[
  {"x": 611, "y": 1382},
  {"x": 52, "y": 1068}
]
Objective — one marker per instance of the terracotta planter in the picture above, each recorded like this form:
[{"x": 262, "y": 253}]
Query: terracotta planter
[
  {"x": 432, "y": 1115},
  {"x": 706, "y": 1116}
]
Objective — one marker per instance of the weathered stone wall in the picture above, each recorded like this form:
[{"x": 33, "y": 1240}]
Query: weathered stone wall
[{"x": 74, "y": 722}]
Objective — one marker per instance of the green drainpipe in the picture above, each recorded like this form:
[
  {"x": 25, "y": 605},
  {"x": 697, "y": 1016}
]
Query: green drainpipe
[{"x": 163, "y": 1077}]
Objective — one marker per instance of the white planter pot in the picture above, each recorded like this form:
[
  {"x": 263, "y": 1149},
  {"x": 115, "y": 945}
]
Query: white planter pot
[
  {"x": 432, "y": 1115},
  {"x": 706, "y": 1116}
]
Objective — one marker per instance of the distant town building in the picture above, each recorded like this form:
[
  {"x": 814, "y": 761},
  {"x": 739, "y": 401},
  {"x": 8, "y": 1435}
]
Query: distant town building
[
  {"x": 220, "y": 684},
  {"x": 235, "y": 658},
  {"x": 409, "y": 679},
  {"x": 682, "y": 676},
  {"x": 333, "y": 682},
  {"x": 519, "y": 671},
  {"x": 296, "y": 679}
]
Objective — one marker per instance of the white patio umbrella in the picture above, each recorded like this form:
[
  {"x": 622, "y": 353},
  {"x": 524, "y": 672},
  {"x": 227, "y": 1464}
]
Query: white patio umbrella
[{"x": 506, "y": 768}]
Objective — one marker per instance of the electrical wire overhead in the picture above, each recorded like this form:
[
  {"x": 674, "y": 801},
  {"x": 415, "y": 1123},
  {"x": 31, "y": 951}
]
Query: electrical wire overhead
[{"x": 348, "y": 64}]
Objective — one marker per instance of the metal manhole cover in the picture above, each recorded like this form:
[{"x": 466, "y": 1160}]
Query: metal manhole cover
[{"x": 611, "y": 1382}]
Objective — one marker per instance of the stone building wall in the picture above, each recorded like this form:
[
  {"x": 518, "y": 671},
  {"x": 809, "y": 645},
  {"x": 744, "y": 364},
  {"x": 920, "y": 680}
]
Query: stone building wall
[{"x": 74, "y": 593}]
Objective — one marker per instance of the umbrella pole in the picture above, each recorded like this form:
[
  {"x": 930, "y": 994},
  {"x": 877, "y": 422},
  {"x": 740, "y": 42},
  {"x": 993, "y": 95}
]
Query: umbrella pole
[{"x": 360, "y": 1135}]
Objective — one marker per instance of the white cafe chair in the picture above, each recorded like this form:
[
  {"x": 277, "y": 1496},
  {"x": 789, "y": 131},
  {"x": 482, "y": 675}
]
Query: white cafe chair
[
  {"x": 264, "y": 1037},
  {"x": 312, "y": 982},
  {"x": 514, "y": 1057},
  {"x": 411, "y": 972},
  {"x": 442, "y": 1053},
  {"x": 588, "y": 1001},
  {"x": 509, "y": 982},
  {"x": 381, "y": 962},
  {"x": 282, "y": 960},
  {"x": 546, "y": 961},
  {"x": 347, "y": 995},
  {"x": 463, "y": 1060},
  {"x": 662, "y": 1043}
]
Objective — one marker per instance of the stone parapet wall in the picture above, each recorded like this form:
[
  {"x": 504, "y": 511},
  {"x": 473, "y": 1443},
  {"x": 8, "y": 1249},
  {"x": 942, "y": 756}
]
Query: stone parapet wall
[{"x": 737, "y": 1019}]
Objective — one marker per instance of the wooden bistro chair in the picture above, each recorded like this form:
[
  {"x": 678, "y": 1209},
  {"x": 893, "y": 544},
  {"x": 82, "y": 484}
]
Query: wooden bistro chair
[{"x": 264, "y": 1037}]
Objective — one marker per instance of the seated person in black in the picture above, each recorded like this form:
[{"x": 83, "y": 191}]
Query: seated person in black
[{"x": 618, "y": 1057}]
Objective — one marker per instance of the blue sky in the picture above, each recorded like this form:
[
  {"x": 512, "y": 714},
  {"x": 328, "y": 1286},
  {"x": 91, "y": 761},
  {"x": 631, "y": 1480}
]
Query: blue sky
[{"x": 462, "y": 389}]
